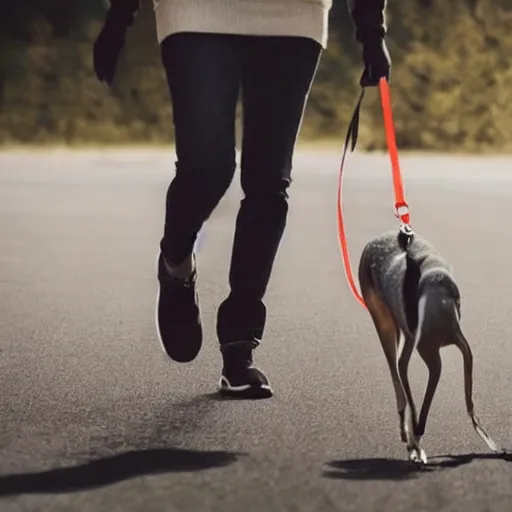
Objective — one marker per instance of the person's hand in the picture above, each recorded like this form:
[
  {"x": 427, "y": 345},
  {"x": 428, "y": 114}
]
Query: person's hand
[
  {"x": 109, "y": 45},
  {"x": 377, "y": 62}
]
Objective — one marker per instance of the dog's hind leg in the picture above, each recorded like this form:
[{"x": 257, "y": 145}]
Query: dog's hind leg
[
  {"x": 388, "y": 333},
  {"x": 432, "y": 359},
  {"x": 467, "y": 355},
  {"x": 416, "y": 454},
  {"x": 403, "y": 367},
  {"x": 421, "y": 340},
  {"x": 431, "y": 356}
]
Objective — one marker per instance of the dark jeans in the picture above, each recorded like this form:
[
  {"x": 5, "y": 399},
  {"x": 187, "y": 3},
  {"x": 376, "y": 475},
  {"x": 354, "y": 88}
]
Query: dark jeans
[{"x": 205, "y": 73}]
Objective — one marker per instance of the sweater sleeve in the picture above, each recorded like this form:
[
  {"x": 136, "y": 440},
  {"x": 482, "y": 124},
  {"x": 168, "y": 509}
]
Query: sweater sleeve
[
  {"x": 124, "y": 9},
  {"x": 369, "y": 18}
]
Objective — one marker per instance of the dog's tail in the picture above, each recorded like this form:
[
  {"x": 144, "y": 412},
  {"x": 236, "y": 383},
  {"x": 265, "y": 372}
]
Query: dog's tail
[{"x": 467, "y": 355}]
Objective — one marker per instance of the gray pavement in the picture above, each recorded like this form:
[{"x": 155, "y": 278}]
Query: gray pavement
[{"x": 93, "y": 417}]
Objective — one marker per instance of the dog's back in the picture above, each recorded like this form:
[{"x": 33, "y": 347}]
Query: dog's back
[{"x": 401, "y": 274}]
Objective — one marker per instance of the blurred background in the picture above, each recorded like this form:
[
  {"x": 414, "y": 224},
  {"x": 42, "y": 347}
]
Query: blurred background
[
  {"x": 94, "y": 416},
  {"x": 451, "y": 78}
]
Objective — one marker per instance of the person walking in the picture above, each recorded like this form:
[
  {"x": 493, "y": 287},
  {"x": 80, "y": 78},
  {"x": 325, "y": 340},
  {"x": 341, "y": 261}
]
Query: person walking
[{"x": 211, "y": 50}]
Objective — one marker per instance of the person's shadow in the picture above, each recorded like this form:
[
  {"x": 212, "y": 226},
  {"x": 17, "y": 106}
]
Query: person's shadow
[
  {"x": 113, "y": 469},
  {"x": 395, "y": 469}
]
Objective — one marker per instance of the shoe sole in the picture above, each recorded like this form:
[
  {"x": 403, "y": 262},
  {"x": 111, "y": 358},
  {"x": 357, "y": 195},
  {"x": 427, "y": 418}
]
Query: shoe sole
[
  {"x": 159, "y": 334},
  {"x": 245, "y": 391}
]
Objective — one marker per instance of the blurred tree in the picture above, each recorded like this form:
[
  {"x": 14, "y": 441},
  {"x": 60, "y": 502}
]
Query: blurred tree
[{"x": 451, "y": 77}]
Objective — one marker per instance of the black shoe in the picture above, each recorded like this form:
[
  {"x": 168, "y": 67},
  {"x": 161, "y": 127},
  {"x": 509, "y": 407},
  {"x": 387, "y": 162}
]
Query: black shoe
[
  {"x": 177, "y": 315},
  {"x": 240, "y": 379}
]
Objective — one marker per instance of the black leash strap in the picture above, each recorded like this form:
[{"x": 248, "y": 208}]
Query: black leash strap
[{"x": 353, "y": 127}]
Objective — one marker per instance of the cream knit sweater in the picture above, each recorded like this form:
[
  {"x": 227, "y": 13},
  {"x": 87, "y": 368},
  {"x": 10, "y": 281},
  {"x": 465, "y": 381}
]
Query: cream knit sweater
[{"x": 303, "y": 18}]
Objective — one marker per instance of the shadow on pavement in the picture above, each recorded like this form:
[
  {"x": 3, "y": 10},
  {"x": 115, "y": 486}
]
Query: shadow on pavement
[
  {"x": 110, "y": 470},
  {"x": 396, "y": 469},
  {"x": 217, "y": 397}
]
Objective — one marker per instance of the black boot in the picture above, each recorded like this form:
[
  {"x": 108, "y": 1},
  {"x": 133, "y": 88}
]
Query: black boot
[
  {"x": 178, "y": 316},
  {"x": 239, "y": 377}
]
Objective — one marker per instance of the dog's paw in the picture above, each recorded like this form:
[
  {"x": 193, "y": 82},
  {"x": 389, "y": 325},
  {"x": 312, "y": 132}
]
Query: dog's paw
[{"x": 417, "y": 456}]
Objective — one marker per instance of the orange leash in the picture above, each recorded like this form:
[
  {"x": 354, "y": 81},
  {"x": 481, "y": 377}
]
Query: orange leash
[{"x": 401, "y": 206}]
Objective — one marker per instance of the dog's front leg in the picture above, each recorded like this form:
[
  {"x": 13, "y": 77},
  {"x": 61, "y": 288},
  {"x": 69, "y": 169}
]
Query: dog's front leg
[{"x": 389, "y": 336}]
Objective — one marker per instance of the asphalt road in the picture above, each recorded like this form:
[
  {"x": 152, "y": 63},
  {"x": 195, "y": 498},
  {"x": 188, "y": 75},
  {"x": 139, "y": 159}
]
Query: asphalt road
[{"x": 95, "y": 418}]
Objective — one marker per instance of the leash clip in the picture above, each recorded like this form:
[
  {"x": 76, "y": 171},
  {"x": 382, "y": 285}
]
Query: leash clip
[
  {"x": 402, "y": 212},
  {"x": 406, "y": 234}
]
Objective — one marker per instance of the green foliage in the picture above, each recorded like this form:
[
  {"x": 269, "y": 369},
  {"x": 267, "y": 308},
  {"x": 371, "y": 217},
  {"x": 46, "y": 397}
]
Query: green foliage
[{"x": 451, "y": 78}]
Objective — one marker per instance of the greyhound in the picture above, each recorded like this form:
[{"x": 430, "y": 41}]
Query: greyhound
[{"x": 411, "y": 294}]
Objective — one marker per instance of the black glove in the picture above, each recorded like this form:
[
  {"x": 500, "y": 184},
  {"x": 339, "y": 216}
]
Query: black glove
[
  {"x": 368, "y": 17},
  {"x": 377, "y": 62},
  {"x": 110, "y": 42}
]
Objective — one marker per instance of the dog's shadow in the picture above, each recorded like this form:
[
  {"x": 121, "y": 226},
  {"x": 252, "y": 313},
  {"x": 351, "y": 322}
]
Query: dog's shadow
[
  {"x": 396, "y": 469},
  {"x": 113, "y": 469}
]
